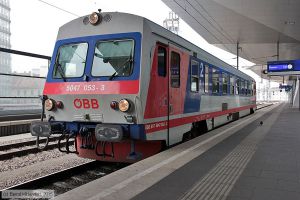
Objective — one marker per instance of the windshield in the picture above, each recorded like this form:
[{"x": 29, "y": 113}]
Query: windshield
[
  {"x": 70, "y": 61},
  {"x": 113, "y": 58}
]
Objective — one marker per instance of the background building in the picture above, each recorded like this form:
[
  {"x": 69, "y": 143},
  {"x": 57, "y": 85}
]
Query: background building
[
  {"x": 172, "y": 22},
  {"x": 5, "y": 58}
]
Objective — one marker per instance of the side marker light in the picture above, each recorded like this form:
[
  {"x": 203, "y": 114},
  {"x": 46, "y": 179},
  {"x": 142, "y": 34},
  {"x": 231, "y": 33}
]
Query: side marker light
[{"x": 114, "y": 105}]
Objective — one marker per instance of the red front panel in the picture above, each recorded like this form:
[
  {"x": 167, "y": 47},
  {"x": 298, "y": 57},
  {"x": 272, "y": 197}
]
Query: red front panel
[
  {"x": 93, "y": 87},
  {"x": 121, "y": 150}
]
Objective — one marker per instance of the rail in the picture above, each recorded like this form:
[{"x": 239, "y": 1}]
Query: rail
[
  {"x": 20, "y": 149},
  {"x": 73, "y": 177},
  {"x": 54, "y": 177}
]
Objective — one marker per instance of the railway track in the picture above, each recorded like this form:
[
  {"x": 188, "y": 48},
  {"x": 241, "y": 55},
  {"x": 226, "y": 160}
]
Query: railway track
[
  {"x": 263, "y": 106},
  {"x": 7, "y": 129},
  {"x": 66, "y": 179},
  {"x": 8, "y": 151},
  {"x": 70, "y": 178}
]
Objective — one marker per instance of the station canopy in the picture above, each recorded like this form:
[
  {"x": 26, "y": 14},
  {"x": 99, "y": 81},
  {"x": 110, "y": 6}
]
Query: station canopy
[{"x": 266, "y": 30}]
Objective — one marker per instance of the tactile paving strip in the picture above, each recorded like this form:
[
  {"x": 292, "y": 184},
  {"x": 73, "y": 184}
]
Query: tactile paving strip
[{"x": 218, "y": 182}]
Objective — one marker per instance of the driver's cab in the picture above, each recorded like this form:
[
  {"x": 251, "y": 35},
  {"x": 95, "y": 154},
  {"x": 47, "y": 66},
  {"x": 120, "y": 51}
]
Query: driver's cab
[{"x": 88, "y": 74}]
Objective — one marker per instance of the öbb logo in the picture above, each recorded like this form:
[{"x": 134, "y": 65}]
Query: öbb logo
[{"x": 86, "y": 103}]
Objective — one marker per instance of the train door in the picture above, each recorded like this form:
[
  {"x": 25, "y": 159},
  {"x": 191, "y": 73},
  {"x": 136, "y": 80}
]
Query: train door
[
  {"x": 174, "y": 92},
  {"x": 157, "y": 99},
  {"x": 174, "y": 83}
]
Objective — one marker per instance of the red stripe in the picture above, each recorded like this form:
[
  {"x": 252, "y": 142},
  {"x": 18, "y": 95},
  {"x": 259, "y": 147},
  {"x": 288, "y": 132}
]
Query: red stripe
[
  {"x": 94, "y": 87},
  {"x": 161, "y": 125}
]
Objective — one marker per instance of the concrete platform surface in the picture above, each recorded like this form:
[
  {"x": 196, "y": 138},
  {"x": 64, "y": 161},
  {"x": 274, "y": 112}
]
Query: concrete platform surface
[
  {"x": 16, "y": 137},
  {"x": 208, "y": 166}
]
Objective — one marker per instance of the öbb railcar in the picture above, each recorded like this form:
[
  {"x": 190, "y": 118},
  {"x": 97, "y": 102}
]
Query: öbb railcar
[{"x": 125, "y": 87}]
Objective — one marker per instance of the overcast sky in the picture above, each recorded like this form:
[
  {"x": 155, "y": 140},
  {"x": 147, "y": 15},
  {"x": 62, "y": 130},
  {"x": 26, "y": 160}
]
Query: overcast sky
[{"x": 34, "y": 25}]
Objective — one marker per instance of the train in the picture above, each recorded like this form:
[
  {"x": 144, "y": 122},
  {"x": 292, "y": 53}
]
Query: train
[{"x": 124, "y": 88}]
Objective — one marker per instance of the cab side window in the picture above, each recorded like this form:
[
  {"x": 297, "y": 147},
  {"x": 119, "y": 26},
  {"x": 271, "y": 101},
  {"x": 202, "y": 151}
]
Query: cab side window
[{"x": 162, "y": 61}]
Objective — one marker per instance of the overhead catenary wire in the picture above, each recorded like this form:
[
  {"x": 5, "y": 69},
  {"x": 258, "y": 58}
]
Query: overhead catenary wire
[
  {"x": 200, "y": 23},
  {"x": 222, "y": 31},
  {"x": 61, "y": 9},
  {"x": 219, "y": 28}
]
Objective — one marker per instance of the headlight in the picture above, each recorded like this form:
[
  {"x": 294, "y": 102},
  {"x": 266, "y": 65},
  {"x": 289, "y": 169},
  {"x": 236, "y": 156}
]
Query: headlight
[
  {"x": 94, "y": 18},
  {"x": 49, "y": 104},
  {"x": 124, "y": 105}
]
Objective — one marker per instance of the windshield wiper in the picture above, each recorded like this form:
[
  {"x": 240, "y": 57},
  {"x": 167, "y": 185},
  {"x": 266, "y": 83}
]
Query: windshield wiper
[
  {"x": 121, "y": 66},
  {"x": 59, "y": 68},
  {"x": 98, "y": 55}
]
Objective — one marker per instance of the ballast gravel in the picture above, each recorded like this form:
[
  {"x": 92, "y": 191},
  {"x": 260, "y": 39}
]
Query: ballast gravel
[{"x": 32, "y": 166}]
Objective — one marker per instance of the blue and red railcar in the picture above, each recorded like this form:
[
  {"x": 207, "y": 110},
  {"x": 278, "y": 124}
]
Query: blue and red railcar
[{"x": 125, "y": 87}]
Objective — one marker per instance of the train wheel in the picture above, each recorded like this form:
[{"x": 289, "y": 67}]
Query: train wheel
[
  {"x": 195, "y": 132},
  {"x": 187, "y": 136}
]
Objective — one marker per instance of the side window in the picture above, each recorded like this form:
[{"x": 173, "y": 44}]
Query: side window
[
  {"x": 162, "y": 61},
  {"x": 242, "y": 87},
  {"x": 237, "y": 86},
  {"x": 232, "y": 83},
  {"x": 194, "y": 76},
  {"x": 215, "y": 81},
  {"x": 246, "y": 88},
  {"x": 206, "y": 79},
  {"x": 249, "y": 88},
  {"x": 224, "y": 82},
  {"x": 175, "y": 70}
]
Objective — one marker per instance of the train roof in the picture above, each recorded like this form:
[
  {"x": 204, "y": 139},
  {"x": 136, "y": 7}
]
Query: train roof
[{"x": 116, "y": 22}]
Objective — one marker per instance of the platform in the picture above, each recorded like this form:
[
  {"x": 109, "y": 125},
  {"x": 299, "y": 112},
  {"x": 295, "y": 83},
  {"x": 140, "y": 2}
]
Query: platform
[
  {"x": 242, "y": 160},
  {"x": 4, "y": 139},
  {"x": 15, "y": 127}
]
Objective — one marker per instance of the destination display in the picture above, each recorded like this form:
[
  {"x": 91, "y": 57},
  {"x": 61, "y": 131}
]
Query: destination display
[
  {"x": 279, "y": 67},
  {"x": 287, "y": 67}
]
